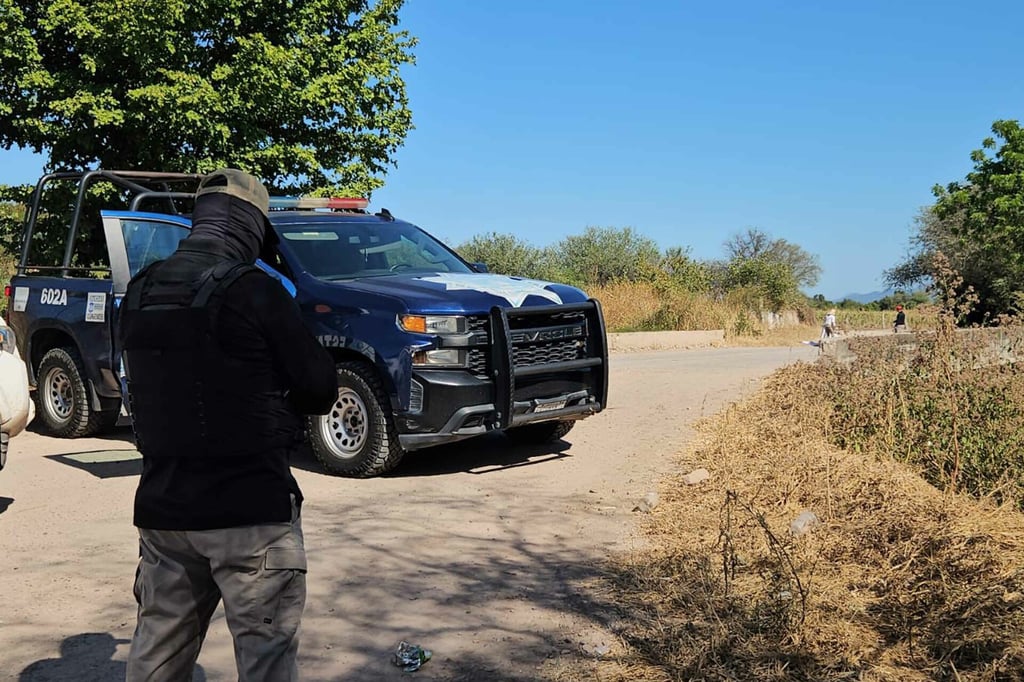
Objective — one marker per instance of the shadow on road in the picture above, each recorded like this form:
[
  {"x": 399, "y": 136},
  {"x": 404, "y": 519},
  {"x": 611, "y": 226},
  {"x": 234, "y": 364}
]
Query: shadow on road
[
  {"x": 5, "y": 502},
  {"x": 103, "y": 463},
  {"x": 86, "y": 658},
  {"x": 482, "y": 595},
  {"x": 480, "y": 455}
]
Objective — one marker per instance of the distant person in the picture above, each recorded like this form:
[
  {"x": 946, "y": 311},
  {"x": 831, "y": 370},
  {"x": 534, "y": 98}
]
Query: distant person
[
  {"x": 900, "y": 323},
  {"x": 828, "y": 327},
  {"x": 221, "y": 370}
]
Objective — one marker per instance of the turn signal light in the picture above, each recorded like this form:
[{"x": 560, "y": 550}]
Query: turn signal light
[{"x": 414, "y": 323}]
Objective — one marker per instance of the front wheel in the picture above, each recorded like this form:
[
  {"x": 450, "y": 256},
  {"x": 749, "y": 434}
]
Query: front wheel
[
  {"x": 541, "y": 433},
  {"x": 357, "y": 438},
  {"x": 62, "y": 396}
]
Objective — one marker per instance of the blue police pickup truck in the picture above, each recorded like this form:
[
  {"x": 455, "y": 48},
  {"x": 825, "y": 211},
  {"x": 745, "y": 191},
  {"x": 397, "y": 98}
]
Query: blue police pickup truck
[{"x": 430, "y": 349}]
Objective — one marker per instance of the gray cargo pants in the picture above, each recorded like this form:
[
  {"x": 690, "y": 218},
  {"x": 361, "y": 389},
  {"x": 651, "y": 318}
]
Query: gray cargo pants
[{"x": 260, "y": 571}]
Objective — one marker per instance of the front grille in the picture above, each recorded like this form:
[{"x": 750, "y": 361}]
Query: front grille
[
  {"x": 535, "y": 339},
  {"x": 541, "y": 339},
  {"x": 480, "y": 324},
  {"x": 479, "y": 357},
  {"x": 479, "y": 365},
  {"x": 548, "y": 352}
]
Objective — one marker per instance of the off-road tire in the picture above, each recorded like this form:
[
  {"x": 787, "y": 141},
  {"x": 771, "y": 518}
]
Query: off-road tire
[
  {"x": 540, "y": 433},
  {"x": 357, "y": 438},
  {"x": 62, "y": 397}
]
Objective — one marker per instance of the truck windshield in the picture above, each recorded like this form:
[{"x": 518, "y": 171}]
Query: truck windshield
[{"x": 347, "y": 250}]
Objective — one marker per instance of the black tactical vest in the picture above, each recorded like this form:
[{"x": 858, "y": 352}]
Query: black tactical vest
[{"x": 188, "y": 398}]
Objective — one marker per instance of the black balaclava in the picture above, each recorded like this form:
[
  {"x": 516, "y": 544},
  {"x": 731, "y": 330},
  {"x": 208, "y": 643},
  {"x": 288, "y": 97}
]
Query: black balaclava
[{"x": 238, "y": 226}]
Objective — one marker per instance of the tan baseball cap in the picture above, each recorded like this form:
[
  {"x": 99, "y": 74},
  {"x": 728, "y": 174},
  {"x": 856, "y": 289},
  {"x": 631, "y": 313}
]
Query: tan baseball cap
[{"x": 238, "y": 184}]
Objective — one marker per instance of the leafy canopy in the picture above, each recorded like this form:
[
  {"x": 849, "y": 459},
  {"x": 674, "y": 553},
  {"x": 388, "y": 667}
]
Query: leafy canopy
[
  {"x": 305, "y": 94},
  {"x": 602, "y": 255},
  {"x": 755, "y": 244},
  {"x": 977, "y": 226},
  {"x": 507, "y": 254}
]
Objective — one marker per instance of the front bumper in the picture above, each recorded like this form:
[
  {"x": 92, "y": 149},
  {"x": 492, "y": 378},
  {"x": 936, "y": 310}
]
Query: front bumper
[
  {"x": 523, "y": 381},
  {"x": 438, "y": 423}
]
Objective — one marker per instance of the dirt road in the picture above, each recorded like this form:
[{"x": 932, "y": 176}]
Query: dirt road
[{"x": 477, "y": 551}]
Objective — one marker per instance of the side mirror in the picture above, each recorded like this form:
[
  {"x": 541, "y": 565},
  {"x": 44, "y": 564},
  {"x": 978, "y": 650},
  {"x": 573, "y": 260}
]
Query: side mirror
[{"x": 480, "y": 267}]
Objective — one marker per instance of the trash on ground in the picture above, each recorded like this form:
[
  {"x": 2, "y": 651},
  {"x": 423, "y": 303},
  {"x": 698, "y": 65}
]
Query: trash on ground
[
  {"x": 409, "y": 657},
  {"x": 805, "y": 522}
]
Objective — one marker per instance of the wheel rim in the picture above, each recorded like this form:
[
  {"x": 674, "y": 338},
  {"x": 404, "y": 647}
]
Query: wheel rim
[
  {"x": 59, "y": 398},
  {"x": 346, "y": 428}
]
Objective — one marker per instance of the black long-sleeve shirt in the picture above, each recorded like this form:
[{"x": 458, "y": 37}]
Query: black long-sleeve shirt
[{"x": 260, "y": 325}]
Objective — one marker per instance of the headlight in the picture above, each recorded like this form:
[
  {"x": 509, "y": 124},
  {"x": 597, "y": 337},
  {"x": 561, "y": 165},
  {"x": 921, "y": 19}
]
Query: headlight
[
  {"x": 441, "y": 357},
  {"x": 433, "y": 324},
  {"x": 7, "y": 339}
]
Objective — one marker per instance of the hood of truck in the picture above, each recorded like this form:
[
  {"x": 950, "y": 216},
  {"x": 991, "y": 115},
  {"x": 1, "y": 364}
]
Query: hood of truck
[{"x": 453, "y": 293}]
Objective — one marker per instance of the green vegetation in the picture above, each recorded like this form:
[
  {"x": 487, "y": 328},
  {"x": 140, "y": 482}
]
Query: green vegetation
[
  {"x": 952, "y": 406},
  {"x": 978, "y": 226},
  {"x": 644, "y": 288},
  {"x": 306, "y": 95}
]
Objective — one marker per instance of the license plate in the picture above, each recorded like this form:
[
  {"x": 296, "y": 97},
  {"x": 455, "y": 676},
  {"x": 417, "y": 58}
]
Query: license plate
[{"x": 548, "y": 407}]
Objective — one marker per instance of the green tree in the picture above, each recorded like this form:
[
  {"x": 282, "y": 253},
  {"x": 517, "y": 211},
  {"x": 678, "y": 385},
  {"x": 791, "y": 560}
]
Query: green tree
[
  {"x": 682, "y": 270},
  {"x": 757, "y": 244},
  {"x": 978, "y": 224},
  {"x": 773, "y": 281},
  {"x": 506, "y": 254},
  {"x": 303, "y": 93},
  {"x": 605, "y": 254}
]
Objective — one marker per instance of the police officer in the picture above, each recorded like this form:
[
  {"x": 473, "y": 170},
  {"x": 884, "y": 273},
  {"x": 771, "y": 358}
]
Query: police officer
[{"x": 220, "y": 370}]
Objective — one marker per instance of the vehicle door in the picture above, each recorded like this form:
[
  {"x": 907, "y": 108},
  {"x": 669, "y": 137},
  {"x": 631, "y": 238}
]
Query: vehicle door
[{"x": 136, "y": 240}]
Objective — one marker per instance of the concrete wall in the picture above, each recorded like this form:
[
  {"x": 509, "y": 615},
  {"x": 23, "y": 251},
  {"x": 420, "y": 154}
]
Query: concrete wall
[
  {"x": 624, "y": 342},
  {"x": 991, "y": 344}
]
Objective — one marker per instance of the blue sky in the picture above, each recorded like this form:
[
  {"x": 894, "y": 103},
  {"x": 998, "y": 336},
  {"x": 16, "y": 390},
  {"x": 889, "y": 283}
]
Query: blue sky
[{"x": 822, "y": 123}]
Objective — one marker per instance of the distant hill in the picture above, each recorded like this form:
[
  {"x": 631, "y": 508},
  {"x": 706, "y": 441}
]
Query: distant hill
[{"x": 867, "y": 298}]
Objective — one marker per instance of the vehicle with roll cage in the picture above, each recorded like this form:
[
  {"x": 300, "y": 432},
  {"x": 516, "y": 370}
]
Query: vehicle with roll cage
[{"x": 429, "y": 349}]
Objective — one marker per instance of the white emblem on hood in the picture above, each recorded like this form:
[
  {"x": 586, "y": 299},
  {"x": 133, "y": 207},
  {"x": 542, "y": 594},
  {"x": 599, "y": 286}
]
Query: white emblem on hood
[{"x": 512, "y": 289}]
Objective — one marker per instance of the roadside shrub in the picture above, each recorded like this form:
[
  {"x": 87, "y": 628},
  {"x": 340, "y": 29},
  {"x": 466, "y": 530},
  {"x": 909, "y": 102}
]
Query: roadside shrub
[
  {"x": 645, "y": 306},
  {"x": 951, "y": 403}
]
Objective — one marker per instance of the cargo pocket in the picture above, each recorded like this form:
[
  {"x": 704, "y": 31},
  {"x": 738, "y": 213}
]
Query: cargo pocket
[
  {"x": 284, "y": 571},
  {"x": 285, "y": 559}
]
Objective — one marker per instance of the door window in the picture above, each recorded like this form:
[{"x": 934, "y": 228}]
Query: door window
[{"x": 148, "y": 241}]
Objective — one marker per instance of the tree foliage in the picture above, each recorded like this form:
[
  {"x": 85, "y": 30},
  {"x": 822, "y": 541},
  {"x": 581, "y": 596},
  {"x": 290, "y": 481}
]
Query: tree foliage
[
  {"x": 756, "y": 244},
  {"x": 977, "y": 226},
  {"x": 684, "y": 271},
  {"x": 303, "y": 93},
  {"x": 605, "y": 254},
  {"x": 769, "y": 279},
  {"x": 507, "y": 254}
]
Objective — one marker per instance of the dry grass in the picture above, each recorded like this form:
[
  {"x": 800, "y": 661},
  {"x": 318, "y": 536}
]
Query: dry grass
[
  {"x": 644, "y": 306},
  {"x": 859, "y": 320},
  {"x": 790, "y": 335},
  {"x": 639, "y": 306},
  {"x": 901, "y": 582}
]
